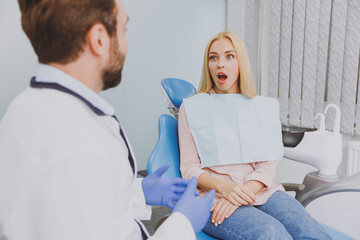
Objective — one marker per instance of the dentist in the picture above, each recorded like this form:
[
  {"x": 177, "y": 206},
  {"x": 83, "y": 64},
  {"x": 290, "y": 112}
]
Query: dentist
[{"x": 67, "y": 170}]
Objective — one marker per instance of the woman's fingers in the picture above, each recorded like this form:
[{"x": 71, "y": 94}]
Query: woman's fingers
[
  {"x": 245, "y": 194},
  {"x": 219, "y": 217},
  {"x": 232, "y": 200},
  {"x": 245, "y": 198},
  {"x": 236, "y": 199},
  {"x": 231, "y": 211},
  {"x": 238, "y": 194},
  {"x": 224, "y": 213},
  {"x": 249, "y": 193},
  {"x": 223, "y": 210},
  {"x": 217, "y": 211}
]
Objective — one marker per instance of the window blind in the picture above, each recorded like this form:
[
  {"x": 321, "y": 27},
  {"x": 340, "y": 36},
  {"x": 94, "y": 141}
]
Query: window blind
[{"x": 309, "y": 54}]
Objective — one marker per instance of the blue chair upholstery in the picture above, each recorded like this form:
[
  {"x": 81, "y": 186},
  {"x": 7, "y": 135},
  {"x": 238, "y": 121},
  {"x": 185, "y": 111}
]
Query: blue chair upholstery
[
  {"x": 167, "y": 147},
  {"x": 335, "y": 234},
  {"x": 203, "y": 236},
  {"x": 177, "y": 89},
  {"x": 167, "y": 150}
]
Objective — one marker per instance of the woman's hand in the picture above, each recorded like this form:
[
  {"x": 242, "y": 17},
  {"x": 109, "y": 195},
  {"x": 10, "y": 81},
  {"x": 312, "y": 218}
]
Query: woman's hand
[
  {"x": 223, "y": 209},
  {"x": 237, "y": 194}
]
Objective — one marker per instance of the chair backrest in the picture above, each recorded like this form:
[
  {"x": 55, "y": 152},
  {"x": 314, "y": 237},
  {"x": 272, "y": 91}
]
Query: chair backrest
[
  {"x": 177, "y": 89},
  {"x": 167, "y": 148}
]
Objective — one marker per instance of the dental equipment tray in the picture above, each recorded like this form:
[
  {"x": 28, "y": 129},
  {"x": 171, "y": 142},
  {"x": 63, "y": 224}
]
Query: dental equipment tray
[{"x": 292, "y": 135}]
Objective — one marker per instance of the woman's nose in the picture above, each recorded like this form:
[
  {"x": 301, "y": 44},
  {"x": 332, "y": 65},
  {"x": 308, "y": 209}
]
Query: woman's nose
[{"x": 221, "y": 63}]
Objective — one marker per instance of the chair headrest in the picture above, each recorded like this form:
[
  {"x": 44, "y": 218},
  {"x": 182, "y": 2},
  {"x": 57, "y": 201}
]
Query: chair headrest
[{"x": 177, "y": 89}]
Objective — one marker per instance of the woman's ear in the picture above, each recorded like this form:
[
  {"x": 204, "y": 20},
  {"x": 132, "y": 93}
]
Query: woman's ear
[{"x": 98, "y": 40}]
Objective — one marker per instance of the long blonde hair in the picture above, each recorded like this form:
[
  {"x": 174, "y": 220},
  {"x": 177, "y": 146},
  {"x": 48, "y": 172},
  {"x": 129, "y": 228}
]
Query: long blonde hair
[{"x": 245, "y": 77}]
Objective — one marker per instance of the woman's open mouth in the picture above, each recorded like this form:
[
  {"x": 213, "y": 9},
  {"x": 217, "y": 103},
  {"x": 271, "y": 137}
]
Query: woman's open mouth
[{"x": 221, "y": 77}]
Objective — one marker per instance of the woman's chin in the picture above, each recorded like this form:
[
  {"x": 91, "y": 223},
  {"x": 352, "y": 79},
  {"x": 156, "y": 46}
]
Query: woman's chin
[
  {"x": 221, "y": 82},
  {"x": 223, "y": 88}
]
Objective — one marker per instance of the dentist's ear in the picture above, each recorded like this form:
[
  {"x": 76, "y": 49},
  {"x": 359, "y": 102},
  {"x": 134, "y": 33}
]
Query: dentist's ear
[{"x": 98, "y": 40}]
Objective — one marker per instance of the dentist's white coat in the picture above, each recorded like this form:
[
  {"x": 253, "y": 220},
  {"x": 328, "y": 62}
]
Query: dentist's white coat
[{"x": 65, "y": 174}]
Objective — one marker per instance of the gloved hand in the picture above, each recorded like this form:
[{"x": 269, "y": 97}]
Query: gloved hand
[
  {"x": 163, "y": 191},
  {"x": 197, "y": 210}
]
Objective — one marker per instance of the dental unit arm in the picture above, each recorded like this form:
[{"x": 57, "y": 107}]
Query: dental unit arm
[
  {"x": 325, "y": 192},
  {"x": 321, "y": 148}
]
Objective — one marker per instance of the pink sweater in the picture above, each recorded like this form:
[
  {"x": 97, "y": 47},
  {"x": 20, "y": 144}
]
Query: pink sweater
[{"x": 237, "y": 173}]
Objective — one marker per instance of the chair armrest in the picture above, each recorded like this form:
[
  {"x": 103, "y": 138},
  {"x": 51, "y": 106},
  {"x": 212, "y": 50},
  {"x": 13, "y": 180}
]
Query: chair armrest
[{"x": 293, "y": 187}]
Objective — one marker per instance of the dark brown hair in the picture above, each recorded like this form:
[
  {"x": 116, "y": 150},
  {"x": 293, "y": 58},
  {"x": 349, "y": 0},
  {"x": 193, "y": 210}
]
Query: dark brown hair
[{"x": 57, "y": 28}]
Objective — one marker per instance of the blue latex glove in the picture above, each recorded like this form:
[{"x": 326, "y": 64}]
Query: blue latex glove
[
  {"x": 160, "y": 191},
  {"x": 197, "y": 210}
]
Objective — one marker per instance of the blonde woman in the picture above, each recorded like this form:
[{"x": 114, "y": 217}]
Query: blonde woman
[{"x": 225, "y": 112}]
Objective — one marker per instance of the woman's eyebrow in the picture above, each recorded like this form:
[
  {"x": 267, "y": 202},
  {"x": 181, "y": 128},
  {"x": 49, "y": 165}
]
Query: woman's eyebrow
[{"x": 228, "y": 51}]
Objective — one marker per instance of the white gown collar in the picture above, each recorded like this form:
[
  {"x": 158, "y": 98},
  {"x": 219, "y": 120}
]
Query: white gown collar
[{"x": 49, "y": 74}]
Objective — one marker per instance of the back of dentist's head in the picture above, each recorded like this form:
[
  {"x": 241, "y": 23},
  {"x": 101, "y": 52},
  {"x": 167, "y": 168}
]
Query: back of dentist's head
[{"x": 57, "y": 29}]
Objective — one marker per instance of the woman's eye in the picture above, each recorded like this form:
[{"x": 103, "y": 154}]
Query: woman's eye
[
  {"x": 230, "y": 56},
  {"x": 212, "y": 57}
]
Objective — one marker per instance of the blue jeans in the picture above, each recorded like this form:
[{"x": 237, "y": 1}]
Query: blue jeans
[{"x": 281, "y": 217}]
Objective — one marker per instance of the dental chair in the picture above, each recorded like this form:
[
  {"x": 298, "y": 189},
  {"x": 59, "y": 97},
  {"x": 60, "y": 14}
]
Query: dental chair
[{"x": 167, "y": 150}]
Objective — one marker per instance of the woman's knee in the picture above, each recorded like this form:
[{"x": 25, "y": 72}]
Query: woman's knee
[{"x": 273, "y": 230}]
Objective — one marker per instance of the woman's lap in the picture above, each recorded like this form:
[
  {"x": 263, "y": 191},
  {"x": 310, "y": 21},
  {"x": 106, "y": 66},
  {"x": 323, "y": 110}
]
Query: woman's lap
[
  {"x": 248, "y": 222},
  {"x": 280, "y": 217}
]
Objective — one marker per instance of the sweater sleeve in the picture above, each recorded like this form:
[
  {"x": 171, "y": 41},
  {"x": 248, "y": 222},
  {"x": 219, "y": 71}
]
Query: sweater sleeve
[
  {"x": 264, "y": 172},
  {"x": 190, "y": 163}
]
